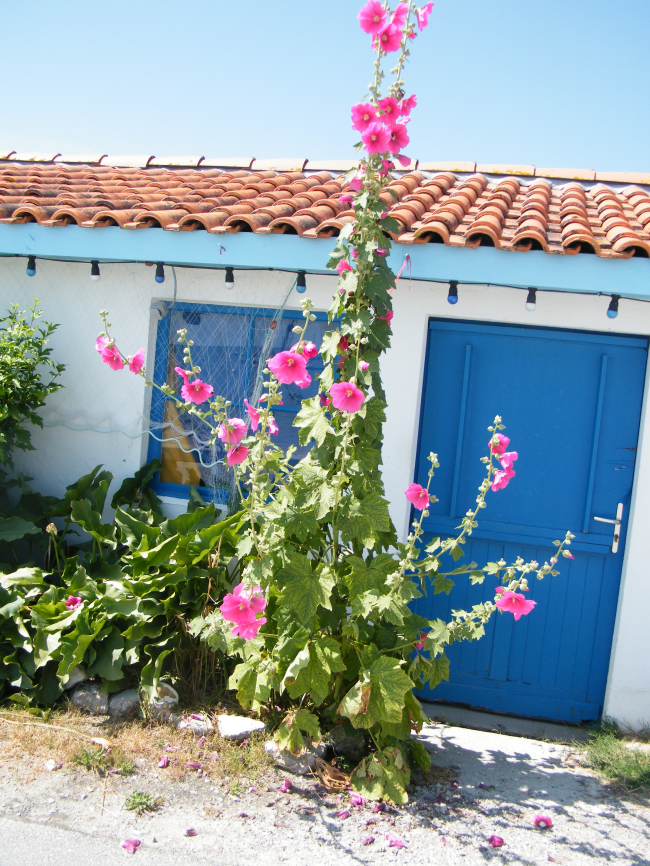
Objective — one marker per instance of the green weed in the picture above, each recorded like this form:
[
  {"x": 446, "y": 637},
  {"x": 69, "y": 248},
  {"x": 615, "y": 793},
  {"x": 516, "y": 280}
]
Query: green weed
[
  {"x": 93, "y": 760},
  {"x": 627, "y": 768},
  {"x": 140, "y": 802}
]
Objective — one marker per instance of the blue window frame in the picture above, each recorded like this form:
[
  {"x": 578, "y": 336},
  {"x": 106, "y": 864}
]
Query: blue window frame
[{"x": 229, "y": 345}]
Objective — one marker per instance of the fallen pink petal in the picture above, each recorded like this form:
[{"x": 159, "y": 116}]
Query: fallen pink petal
[
  {"x": 543, "y": 822},
  {"x": 191, "y": 832},
  {"x": 163, "y": 762},
  {"x": 285, "y": 787},
  {"x": 72, "y": 602},
  {"x": 131, "y": 845},
  {"x": 357, "y": 800},
  {"x": 496, "y": 841},
  {"x": 343, "y": 814},
  {"x": 379, "y": 807},
  {"x": 368, "y": 840},
  {"x": 193, "y": 765},
  {"x": 394, "y": 841}
]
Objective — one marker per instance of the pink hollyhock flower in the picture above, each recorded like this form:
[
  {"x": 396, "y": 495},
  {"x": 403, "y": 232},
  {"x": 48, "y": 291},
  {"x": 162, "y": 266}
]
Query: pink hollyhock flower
[
  {"x": 101, "y": 343},
  {"x": 553, "y": 560},
  {"x": 423, "y": 15},
  {"x": 423, "y": 637},
  {"x": 346, "y": 198},
  {"x": 355, "y": 254},
  {"x": 253, "y": 414},
  {"x": 389, "y": 109},
  {"x": 403, "y": 160},
  {"x": 285, "y": 787},
  {"x": 508, "y": 458},
  {"x": 136, "y": 362},
  {"x": 399, "y": 15},
  {"x": 343, "y": 814},
  {"x": 234, "y": 429},
  {"x": 372, "y": 17},
  {"x": 376, "y": 138},
  {"x": 131, "y": 845},
  {"x": 357, "y": 800},
  {"x": 304, "y": 381},
  {"x": 390, "y": 39},
  {"x": 516, "y": 603},
  {"x": 501, "y": 445},
  {"x": 324, "y": 401},
  {"x": 399, "y": 138},
  {"x": 408, "y": 105},
  {"x": 196, "y": 391},
  {"x": 185, "y": 374},
  {"x": 364, "y": 365},
  {"x": 347, "y": 397},
  {"x": 163, "y": 762},
  {"x": 236, "y": 455},
  {"x": 502, "y": 478},
  {"x": 356, "y": 183},
  {"x": 72, "y": 602},
  {"x": 500, "y": 589},
  {"x": 342, "y": 267},
  {"x": 308, "y": 349},
  {"x": 242, "y": 604},
  {"x": 496, "y": 841},
  {"x": 111, "y": 356},
  {"x": 273, "y": 426},
  {"x": 388, "y": 318},
  {"x": 380, "y": 251},
  {"x": 417, "y": 495},
  {"x": 543, "y": 822},
  {"x": 368, "y": 840},
  {"x": 343, "y": 344},
  {"x": 394, "y": 841},
  {"x": 288, "y": 367},
  {"x": 363, "y": 114},
  {"x": 248, "y": 630}
]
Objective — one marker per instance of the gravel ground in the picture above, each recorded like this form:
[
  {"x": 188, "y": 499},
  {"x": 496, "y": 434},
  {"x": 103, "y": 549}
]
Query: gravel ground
[{"x": 483, "y": 784}]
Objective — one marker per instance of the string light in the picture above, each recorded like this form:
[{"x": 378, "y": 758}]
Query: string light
[
  {"x": 230, "y": 279},
  {"x": 95, "y": 276},
  {"x": 301, "y": 283},
  {"x": 531, "y": 300},
  {"x": 452, "y": 297},
  {"x": 612, "y": 310},
  {"x": 30, "y": 270},
  {"x": 160, "y": 273}
]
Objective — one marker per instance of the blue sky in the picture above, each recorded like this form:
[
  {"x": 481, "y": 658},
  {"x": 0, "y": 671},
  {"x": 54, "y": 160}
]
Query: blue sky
[{"x": 560, "y": 83}]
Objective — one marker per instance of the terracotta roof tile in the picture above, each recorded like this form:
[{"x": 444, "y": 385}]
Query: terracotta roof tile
[
  {"x": 526, "y": 170},
  {"x": 517, "y": 212},
  {"x": 567, "y": 173}
]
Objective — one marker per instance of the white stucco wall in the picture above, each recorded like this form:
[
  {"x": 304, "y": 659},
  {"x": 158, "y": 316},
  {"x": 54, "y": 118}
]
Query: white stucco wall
[{"x": 96, "y": 398}]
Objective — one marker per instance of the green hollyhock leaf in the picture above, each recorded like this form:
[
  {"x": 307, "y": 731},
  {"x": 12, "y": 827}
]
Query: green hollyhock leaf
[
  {"x": 438, "y": 671},
  {"x": 299, "y": 523},
  {"x": 312, "y": 670},
  {"x": 289, "y": 734},
  {"x": 457, "y": 552},
  {"x": 312, "y": 421},
  {"x": 379, "y": 696},
  {"x": 252, "y": 684},
  {"x": 384, "y": 774},
  {"x": 442, "y": 584},
  {"x": 375, "y": 510},
  {"x": 329, "y": 347},
  {"x": 368, "y": 574},
  {"x": 303, "y": 589}
]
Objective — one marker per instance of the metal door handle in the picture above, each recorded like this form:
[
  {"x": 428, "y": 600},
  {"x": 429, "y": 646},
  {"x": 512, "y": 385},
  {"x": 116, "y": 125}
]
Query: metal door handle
[{"x": 617, "y": 522}]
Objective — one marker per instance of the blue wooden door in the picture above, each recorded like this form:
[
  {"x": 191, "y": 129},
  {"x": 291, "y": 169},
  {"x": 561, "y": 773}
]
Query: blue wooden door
[{"x": 571, "y": 402}]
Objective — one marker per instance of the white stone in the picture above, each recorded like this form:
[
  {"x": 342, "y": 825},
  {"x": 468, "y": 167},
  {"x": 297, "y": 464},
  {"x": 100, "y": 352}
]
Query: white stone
[
  {"x": 238, "y": 727},
  {"x": 164, "y": 705},
  {"x": 77, "y": 675},
  {"x": 201, "y": 726},
  {"x": 126, "y": 703},
  {"x": 299, "y": 765},
  {"x": 89, "y": 697}
]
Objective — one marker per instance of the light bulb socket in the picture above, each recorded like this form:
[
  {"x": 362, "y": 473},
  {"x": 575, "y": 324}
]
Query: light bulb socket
[
  {"x": 612, "y": 310},
  {"x": 30, "y": 270},
  {"x": 301, "y": 283},
  {"x": 452, "y": 297},
  {"x": 94, "y": 271},
  {"x": 230, "y": 279},
  {"x": 531, "y": 300},
  {"x": 160, "y": 273}
]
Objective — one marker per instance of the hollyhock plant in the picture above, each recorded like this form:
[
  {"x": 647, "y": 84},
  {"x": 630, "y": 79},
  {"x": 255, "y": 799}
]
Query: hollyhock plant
[
  {"x": 196, "y": 391},
  {"x": 376, "y": 138},
  {"x": 346, "y": 198},
  {"x": 184, "y": 374},
  {"x": 356, "y": 183},
  {"x": 243, "y": 604},
  {"x": 399, "y": 138},
  {"x": 253, "y": 414},
  {"x": 363, "y": 114},
  {"x": 408, "y": 105},
  {"x": 248, "y": 630},
  {"x": 543, "y": 822},
  {"x": 236, "y": 455},
  {"x": 136, "y": 362},
  {"x": 308, "y": 349},
  {"x": 398, "y": 17},
  {"x": 420, "y": 643},
  {"x": 390, "y": 109},
  {"x": 502, "y": 478},
  {"x": 422, "y": 15},
  {"x": 372, "y": 17},
  {"x": 111, "y": 356},
  {"x": 389, "y": 39},
  {"x": 515, "y": 603},
  {"x": 500, "y": 446},
  {"x": 508, "y": 458},
  {"x": 273, "y": 426},
  {"x": 417, "y": 496},
  {"x": 347, "y": 397},
  {"x": 388, "y": 318},
  {"x": 232, "y": 431},
  {"x": 72, "y": 602},
  {"x": 288, "y": 367}
]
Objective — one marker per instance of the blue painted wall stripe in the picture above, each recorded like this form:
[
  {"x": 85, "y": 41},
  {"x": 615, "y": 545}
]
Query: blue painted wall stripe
[{"x": 629, "y": 278}]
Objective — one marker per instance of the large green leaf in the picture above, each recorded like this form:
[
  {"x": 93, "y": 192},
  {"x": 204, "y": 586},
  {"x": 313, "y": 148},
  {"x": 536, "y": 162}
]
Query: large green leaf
[
  {"x": 13, "y": 528},
  {"x": 312, "y": 670},
  {"x": 303, "y": 589},
  {"x": 312, "y": 421},
  {"x": 379, "y": 695}
]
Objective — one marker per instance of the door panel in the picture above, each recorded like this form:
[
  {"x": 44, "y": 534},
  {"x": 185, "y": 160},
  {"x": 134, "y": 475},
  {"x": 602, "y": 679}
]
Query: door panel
[{"x": 571, "y": 403}]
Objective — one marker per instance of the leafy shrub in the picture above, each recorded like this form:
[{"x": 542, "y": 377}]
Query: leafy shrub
[
  {"x": 123, "y": 602},
  {"x": 27, "y": 376}
]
